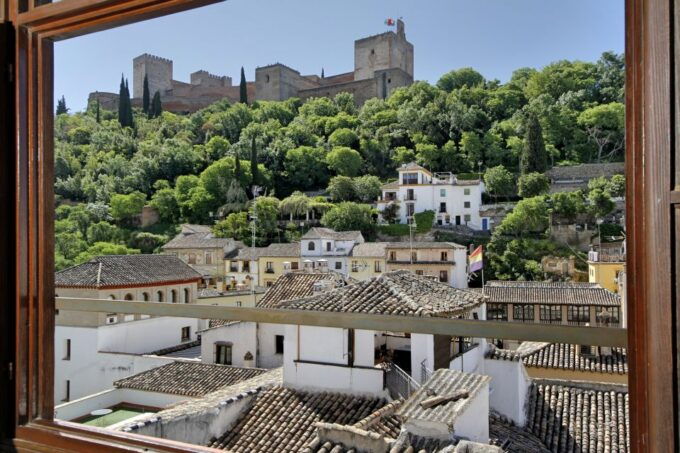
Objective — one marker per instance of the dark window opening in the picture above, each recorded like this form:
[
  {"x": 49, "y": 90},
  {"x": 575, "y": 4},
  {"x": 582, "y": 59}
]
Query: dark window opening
[{"x": 278, "y": 344}]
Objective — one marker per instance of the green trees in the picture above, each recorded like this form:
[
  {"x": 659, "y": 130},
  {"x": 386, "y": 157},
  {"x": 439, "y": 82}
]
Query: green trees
[
  {"x": 125, "y": 117},
  {"x": 367, "y": 188},
  {"x": 243, "y": 88},
  {"x": 605, "y": 127},
  {"x": 235, "y": 226},
  {"x": 344, "y": 161},
  {"x": 146, "y": 96},
  {"x": 534, "y": 156},
  {"x": 341, "y": 188},
  {"x": 532, "y": 184},
  {"x": 348, "y": 216},
  {"x": 464, "y": 77},
  {"x": 61, "y": 106},
  {"x": 305, "y": 167},
  {"x": 125, "y": 207},
  {"x": 156, "y": 107},
  {"x": 499, "y": 181},
  {"x": 296, "y": 205}
]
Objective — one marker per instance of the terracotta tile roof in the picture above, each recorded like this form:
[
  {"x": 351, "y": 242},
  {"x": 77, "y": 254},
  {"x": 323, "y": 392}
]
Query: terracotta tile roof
[
  {"x": 282, "y": 250},
  {"x": 369, "y": 250},
  {"x": 412, "y": 166},
  {"x": 391, "y": 185},
  {"x": 199, "y": 238},
  {"x": 443, "y": 382},
  {"x": 220, "y": 323},
  {"x": 126, "y": 270},
  {"x": 562, "y": 293},
  {"x": 327, "y": 233},
  {"x": 567, "y": 357},
  {"x": 392, "y": 293},
  {"x": 585, "y": 418},
  {"x": 424, "y": 245},
  {"x": 283, "y": 419},
  {"x": 524, "y": 349},
  {"x": 296, "y": 285},
  {"x": 193, "y": 379},
  {"x": 176, "y": 348},
  {"x": 505, "y": 433}
]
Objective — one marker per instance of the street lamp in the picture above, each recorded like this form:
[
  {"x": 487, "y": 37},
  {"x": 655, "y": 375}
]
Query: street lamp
[{"x": 411, "y": 226}]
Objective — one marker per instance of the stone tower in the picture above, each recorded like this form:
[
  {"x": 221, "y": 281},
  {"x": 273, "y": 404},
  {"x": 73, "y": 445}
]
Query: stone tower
[
  {"x": 158, "y": 71},
  {"x": 388, "y": 50}
]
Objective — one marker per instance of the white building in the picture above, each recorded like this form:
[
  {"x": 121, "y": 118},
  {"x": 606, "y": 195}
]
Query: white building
[
  {"x": 454, "y": 201},
  {"x": 326, "y": 249},
  {"x": 92, "y": 350}
]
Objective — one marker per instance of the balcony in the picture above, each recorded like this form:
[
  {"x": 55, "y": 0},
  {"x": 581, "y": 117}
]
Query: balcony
[
  {"x": 269, "y": 270},
  {"x": 411, "y": 197}
]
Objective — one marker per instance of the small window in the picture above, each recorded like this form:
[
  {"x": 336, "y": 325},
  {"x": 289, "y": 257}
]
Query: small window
[
  {"x": 187, "y": 295},
  {"x": 266, "y": 78},
  {"x": 67, "y": 393},
  {"x": 338, "y": 265},
  {"x": 245, "y": 266},
  {"x": 173, "y": 296},
  {"x": 414, "y": 256},
  {"x": 192, "y": 258},
  {"x": 442, "y": 208},
  {"x": 239, "y": 303},
  {"x": 186, "y": 333},
  {"x": 377, "y": 266},
  {"x": 442, "y": 192},
  {"x": 393, "y": 256},
  {"x": 223, "y": 352},
  {"x": 294, "y": 265},
  {"x": 67, "y": 349},
  {"x": 129, "y": 296},
  {"x": 419, "y": 272},
  {"x": 278, "y": 340},
  {"x": 372, "y": 51},
  {"x": 444, "y": 256},
  {"x": 269, "y": 284},
  {"x": 145, "y": 297},
  {"x": 466, "y": 191},
  {"x": 269, "y": 267},
  {"x": 310, "y": 245},
  {"x": 444, "y": 276},
  {"x": 159, "y": 296},
  {"x": 466, "y": 204},
  {"x": 328, "y": 246},
  {"x": 208, "y": 257},
  {"x": 467, "y": 217},
  {"x": 355, "y": 266}
]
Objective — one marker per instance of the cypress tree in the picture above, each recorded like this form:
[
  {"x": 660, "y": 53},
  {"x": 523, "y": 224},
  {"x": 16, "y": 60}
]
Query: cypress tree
[
  {"x": 237, "y": 167},
  {"x": 96, "y": 111},
  {"x": 122, "y": 109},
  {"x": 61, "y": 106},
  {"x": 156, "y": 106},
  {"x": 128, "y": 106},
  {"x": 253, "y": 163},
  {"x": 243, "y": 87},
  {"x": 146, "y": 97},
  {"x": 534, "y": 156}
]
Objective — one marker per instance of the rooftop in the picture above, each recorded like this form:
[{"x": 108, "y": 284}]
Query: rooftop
[
  {"x": 562, "y": 293},
  {"x": 192, "y": 379},
  {"x": 254, "y": 253},
  {"x": 513, "y": 438},
  {"x": 585, "y": 172},
  {"x": 112, "y": 271},
  {"x": 392, "y": 293},
  {"x": 283, "y": 419},
  {"x": 188, "y": 350},
  {"x": 369, "y": 249},
  {"x": 424, "y": 245},
  {"x": 327, "y": 233},
  {"x": 443, "y": 383},
  {"x": 296, "y": 285},
  {"x": 198, "y": 237},
  {"x": 412, "y": 166},
  {"x": 579, "y": 417},
  {"x": 567, "y": 357}
]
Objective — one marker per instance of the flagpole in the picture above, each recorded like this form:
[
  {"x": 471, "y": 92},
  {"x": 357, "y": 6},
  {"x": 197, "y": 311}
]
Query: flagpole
[{"x": 483, "y": 289}]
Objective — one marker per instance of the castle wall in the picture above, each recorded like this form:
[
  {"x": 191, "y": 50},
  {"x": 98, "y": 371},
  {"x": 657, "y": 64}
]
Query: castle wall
[
  {"x": 158, "y": 71},
  {"x": 279, "y": 82},
  {"x": 361, "y": 89},
  {"x": 204, "y": 78},
  {"x": 107, "y": 101}
]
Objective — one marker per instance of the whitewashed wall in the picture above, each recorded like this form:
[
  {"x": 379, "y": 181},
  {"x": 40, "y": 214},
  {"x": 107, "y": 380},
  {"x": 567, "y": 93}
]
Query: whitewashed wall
[
  {"x": 145, "y": 335},
  {"x": 240, "y": 335},
  {"x": 266, "y": 343},
  {"x": 422, "y": 348},
  {"x": 473, "y": 423},
  {"x": 472, "y": 361},
  {"x": 509, "y": 386}
]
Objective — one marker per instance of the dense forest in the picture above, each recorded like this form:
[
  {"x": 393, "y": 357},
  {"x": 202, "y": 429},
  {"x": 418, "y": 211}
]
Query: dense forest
[{"x": 203, "y": 167}]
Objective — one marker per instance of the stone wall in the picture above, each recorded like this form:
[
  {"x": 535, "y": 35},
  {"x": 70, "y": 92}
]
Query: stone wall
[
  {"x": 278, "y": 82},
  {"x": 158, "y": 71},
  {"x": 107, "y": 101}
]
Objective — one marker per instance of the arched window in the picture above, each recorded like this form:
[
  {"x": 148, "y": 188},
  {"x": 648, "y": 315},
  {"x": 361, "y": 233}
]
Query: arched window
[
  {"x": 173, "y": 296},
  {"x": 112, "y": 297},
  {"x": 187, "y": 295},
  {"x": 145, "y": 297},
  {"x": 310, "y": 246},
  {"x": 129, "y": 296},
  {"x": 159, "y": 296}
]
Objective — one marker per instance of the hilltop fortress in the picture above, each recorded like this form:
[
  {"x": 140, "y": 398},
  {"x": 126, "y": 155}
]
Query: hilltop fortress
[{"x": 382, "y": 63}]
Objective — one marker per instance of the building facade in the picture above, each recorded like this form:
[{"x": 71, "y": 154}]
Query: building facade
[
  {"x": 367, "y": 260},
  {"x": 444, "y": 261},
  {"x": 326, "y": 249},
  {"x": 605, "y": 264},
  {"x": 454, "y": 201}
]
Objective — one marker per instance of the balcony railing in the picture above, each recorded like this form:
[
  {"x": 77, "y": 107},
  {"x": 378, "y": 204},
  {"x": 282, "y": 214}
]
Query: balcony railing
[{"x": 399, "y": 383}]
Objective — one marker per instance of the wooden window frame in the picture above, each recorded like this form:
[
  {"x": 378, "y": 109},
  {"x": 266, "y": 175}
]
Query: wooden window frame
[{"x": 26, "y": 177}]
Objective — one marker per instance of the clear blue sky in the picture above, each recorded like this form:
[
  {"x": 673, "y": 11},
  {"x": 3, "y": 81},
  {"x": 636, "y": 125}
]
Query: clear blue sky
[{"x": 493, "y": 36}]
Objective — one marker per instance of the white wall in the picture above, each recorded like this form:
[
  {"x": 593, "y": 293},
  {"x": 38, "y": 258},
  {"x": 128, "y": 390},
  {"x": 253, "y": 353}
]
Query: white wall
[
  {"x": 329, "y": 346},
  {"x": 459, "y": 277},
  {"x": 422, "y": 348},
  {"x": 240, "y": 335},
  {"x": 145, "y": 335},
  {"x": 470, "y": 362},
  {"x": 473, "y": 423},
  {"x": 509, "y": 386},
  {"x": 111, "y": 397},
  {"x": 266, "y": 344}
]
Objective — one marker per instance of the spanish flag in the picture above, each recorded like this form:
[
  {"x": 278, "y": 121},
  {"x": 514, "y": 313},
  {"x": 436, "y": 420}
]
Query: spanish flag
[{"x": 476, "y": 260}]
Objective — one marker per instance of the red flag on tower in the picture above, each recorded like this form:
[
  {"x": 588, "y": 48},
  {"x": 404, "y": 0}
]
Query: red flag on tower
[{"x": 389, "y": 22}]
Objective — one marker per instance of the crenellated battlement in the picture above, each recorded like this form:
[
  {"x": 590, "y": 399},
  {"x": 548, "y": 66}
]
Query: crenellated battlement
[
  {"x": 205, "y": 74},
  {"x": 148, "y": 56}
]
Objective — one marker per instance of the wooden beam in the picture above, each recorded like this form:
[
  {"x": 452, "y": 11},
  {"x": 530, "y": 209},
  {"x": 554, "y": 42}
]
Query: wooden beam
[{"x": 596, "y": 336}]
